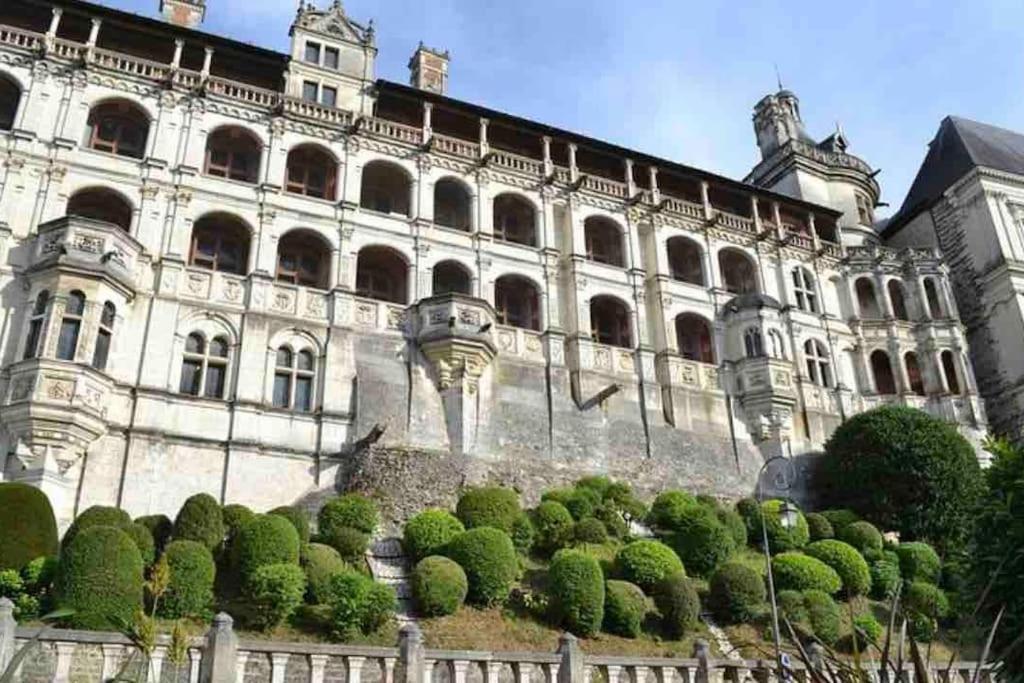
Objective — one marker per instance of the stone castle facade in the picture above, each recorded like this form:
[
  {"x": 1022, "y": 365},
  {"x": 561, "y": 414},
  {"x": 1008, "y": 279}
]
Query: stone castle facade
[{"x": 230, "y": 270}]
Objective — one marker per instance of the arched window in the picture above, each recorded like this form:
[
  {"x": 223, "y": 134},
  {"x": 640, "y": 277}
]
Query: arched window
[
  {"x": 881, "y": 369},
  {"x": 932, "y": 294},
  {"x": 71, "y": 326},
  {"x": 311, "y": 172},
  {"x": 101, "y": 204},
  {"x": 737, "y": 270},
  {"x": 104, "y": 336},
  {"x": 803, "y": 288},
  {"x": 753, "y": 343},
  {"x": 603, "y": 241},
  {"x": 220, "y": 242},
  {"x": 693, "y": 336},
  {"x": 949, "y": 371},
  {"x": 452, "y": 204},
  {"x": 118, "y": 127},
  {"x": 35, "y": 324},
  {"x": 818, "y": 367},
  {"x": 914, "y": 373},
  {"x": 293, "y": 379},
  {"x": 867, "y": 302},
  {"x": 685, "y": 260},
  {"x": 234, "y": 153},
  {"x": 514, "y": 220},
  {"x": 10, "y": 96},
  {"x": 450, "y": 276},
  {"x": 302, "y": 259},
  {"x": 776, "y": 347},
  {"x": 517, "y": 302},
  {"x": 899, "y": 301},
  {"x": 609, "y": 322},
  {"x": 381, "y": 273},
  {"x": 386, "y": 188},
  {"x": 204, "y": 368}
]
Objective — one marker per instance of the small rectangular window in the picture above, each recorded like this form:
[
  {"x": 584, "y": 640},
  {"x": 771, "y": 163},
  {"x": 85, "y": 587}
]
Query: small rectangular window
[
  {"x": 215, "y": 375},
  {"x": 313, "y": 53},
  {"x": 191, "y": 372},
  {"x": 329, "y": 97},
  {"x": 331, "y": 57},
  {"x": 309, "y": 91},
  {"x": 67, "y": 342},
  {"x": 282, "y": 389},
  {"x": 35, "y": 328},
  {"x": 99, "y": 356},
  {"x": 304, "y": 394}
]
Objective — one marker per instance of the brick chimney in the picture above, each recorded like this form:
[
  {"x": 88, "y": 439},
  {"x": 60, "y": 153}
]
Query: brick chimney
[
  {"x": 428, "y": 70},
  {"x": 185, "y": 13}
]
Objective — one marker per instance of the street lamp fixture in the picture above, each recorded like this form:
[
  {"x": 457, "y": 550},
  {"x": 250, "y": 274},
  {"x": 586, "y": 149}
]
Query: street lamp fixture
[{"x": 788, "y": 515}]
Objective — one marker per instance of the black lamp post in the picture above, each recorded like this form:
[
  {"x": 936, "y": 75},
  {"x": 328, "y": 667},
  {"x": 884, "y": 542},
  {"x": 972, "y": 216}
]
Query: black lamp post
[{"x": 788, "y": 518}]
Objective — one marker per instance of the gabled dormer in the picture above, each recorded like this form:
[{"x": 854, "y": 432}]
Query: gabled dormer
[{"x": 332, "y": 59}]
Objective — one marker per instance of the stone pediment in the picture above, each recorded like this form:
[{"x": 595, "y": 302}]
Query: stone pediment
[{"x": 332, "y": 22}]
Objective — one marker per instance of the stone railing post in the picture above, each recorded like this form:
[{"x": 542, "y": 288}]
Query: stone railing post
[
  {"x": 702, "y": 653},
  {"x": 7, "y": 628},
  {"x": 220, "y": 652},
  {"x": 816, "y": 653},
  {"x": 411, "y": 657},
  {"x": 571, "y": 669}
]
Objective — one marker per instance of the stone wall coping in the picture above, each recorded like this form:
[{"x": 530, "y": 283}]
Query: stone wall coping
[
  {"x": 488, "y": 656},
  {"x": 678, "y": 662},
  {"x": 274, "y": 646}
]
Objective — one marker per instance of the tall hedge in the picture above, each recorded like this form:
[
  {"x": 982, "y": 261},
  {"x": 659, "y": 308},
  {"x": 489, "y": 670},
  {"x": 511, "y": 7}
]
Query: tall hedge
[
  {"x": 489, "y": 559},
  {"x": 492, "y": 506},
  {"x": 192, "y": 572},
  {"x": 267, "y": 539},
  {"x": 97, "y": 515},
  {"x": 27, "y": 526},
  {"x": 100, "y": 578},
  {"x": 577, "y": 591},
  {"x": 200, "y": 519},
  {"x": 353, "y": 511},
  {"x": 428, "y": 532},
  {"x": 907, "y": 471}
]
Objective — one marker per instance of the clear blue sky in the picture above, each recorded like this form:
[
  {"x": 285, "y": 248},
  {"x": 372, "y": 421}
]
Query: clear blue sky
[{"x": 678, "y": 78}]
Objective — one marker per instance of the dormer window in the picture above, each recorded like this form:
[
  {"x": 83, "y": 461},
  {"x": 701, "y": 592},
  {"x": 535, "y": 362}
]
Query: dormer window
[{"x": 313, "y": 52}]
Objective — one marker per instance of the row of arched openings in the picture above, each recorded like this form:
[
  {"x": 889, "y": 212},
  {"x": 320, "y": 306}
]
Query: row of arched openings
[
  {"x": 869, "y": 305},
  {"x": 885, "y": 379}
]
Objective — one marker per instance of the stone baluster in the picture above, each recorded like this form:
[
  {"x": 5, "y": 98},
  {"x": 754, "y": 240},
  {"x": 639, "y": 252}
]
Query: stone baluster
[
  {"x": 611, "y": 673},
  {"x": 389, "y": 669},
  {"x": 459, "y": 668},
  {"x": 492, "y": 671},
  {"x": 111, "y": 657},
  {"x": 522, "y": 671},
  {"x": 428, "y": 670},
  {"x": 317, "y": 667},
  {"x": 278, "y": 663},
  {"x": 156, "y": 664},
  {"x": 7, "y": 628},
  {"x": 62, "y": 672},
  {"x": 667, "y": 674},
  {"x": 354, "y": 669},
  {"x": 551, "y": 673},
  {"x": 638, "y": 674},
  {"x": 240, "y": 662},
  {"x": 195, "y": 658}
]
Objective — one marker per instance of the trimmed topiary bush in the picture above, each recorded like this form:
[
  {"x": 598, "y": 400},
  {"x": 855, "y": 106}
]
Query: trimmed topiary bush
[
  {"x": 522, "y": 533},
  {"x": 235, "y": 516},
  {"x": 321, "y": 563},
  {"x": 492, "y": 506},
  {"x": 273, "y": 592},
  {"x": 97, "y": 515},
  {"x": 554, "y": 526},
  {"x": 863, "y": 536},
  {"x": 359, "y": 604},
  {"x": 853, "y": 571},
  {"x": 926, "y": 599},
  {"x": 907, "y": 471},
  {"x": 28, "y": 528},
  {"x": 732, "y": 521},
  {"x": 625, "y": 607},
  {"x": 428, "y": 532},
  {"x": 577, "y": 592},
  {"x": 823, "y": 615},
  {"x": 350, "y": 543},
  {"x": 439, "y": 586},
  {"x": 590, "y": 530},
  {"x": 191, "y": 575},
  {"x": 298, "y": 518},
  {"x": 799, "y": 572},
  {"x": 919, "y": 562},
  {"x": 353, "y": 511},
  {"x": 792, "y": 606},
  {"x": 781, "y": 539},
  {"x": 487, "y": 556},
  {"x": 200, "y": 519},
  {"x": 840, "y": 518},
  {"x": 750, "y": 511},
  {"x": 160, "y": 527},
  {"x": 678, "y": 603},
  {"x": 646, "y": 562},
  {"x": 885, "y": 579},
  {"x": 866, "y": 631},
  {"x": 701, "y": 541},
  {"x": 39, "y": 574},
  {"x": 143, "y": 540},
  {"x": 668, "y": 507},
  {"x": 100, "y": 578},
  {"x": 819, "y": 527},
  {"x": 265, "y": 540},
  {"x": 736, "y": 593}
]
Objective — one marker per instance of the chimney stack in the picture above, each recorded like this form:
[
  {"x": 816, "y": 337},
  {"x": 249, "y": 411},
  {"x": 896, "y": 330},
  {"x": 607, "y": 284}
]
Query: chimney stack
[
  {"x": 428, "y": 70},
  {"x": 184, "y": 13}
]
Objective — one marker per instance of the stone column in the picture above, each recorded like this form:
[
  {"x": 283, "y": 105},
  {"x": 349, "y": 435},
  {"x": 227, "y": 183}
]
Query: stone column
[
  {"x": 571, "y": 669},
  {"x": 411, "y": 665},
  {"x": 7, "y": 628},
  {"x": 706, "y": 200},
  {"x": 220, "y": 653},
  {"x": 702, "y": 653}
]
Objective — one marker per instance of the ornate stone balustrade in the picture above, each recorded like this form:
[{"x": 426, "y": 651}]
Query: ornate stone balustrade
[
  {"x": 525, "y": 344},
  {"x": 676, "y": 371},
  {"x": 87, "y": 243},
  {"x": 378, "y": 315}
]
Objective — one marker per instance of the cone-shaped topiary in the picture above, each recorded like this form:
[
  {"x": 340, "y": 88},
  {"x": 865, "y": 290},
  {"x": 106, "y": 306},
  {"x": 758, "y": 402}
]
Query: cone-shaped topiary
[
  {"x": 492, "y": 506},
  {"x": 200, "y": 519},
  {"x": 439, "y": 586},
  {"x": 100, "y": 578},
  {"x": 97, "y": 515},
  {"x": 577, "y": 591},
  {"x": 489, "y": 559},
  {"x": 192, "y": 573},
  {"x": 27, "y": 526},
  {"x": 428, "y": 532}
]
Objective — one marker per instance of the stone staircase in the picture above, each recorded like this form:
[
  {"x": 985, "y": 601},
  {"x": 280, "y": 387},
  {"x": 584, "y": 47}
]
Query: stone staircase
[{"x": 388, "y": 565}]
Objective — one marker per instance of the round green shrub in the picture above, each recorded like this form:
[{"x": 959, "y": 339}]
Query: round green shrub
[
  {"x": 799, "y": 572},
  {"x": 919, "y": 562},
  {"x": 732, "y": 521},
  {"x": 350, "y": 543},
  {"x": 97, "y": 515},
  {"x": 352, "y": 510},
  {"x": 522, "y": 533},
  {"x": 359, "y": 604},
  {"x": 678, "y": 603},
  {"x": 668, "y": 507},
  {"x": 489, "y": 559},
  {"x": 576, "y": 591},
  {"x": 298, "y": 519},
  {"x": 853, "y": 571},
  {"x": 625, "y": 606},
  {"x": 143, "y": 540},
  {"x": 599, "y": 483},
  {"x": 590, "y": 530},
  {"x": 701, "y": 541},
  {"x": 906, "y": 471},
  {"x": 235, "y": 516},
  {"x": 100, "y": 578},
  {"x": 439, "y": 586},
  {"x": 492, "y": 506},
  {"x": 583, "y": 503},
  {"x": 160, "y": 527},
  {"x": 646, "y": 562},
  {"x": 922, "y": 628},
  {"x": 191, "y": 575},
  {"x": 28, "y": 528},
  {"x": 866, "y": 631},
  {"x": 750, "y": 510},
  {"x": 885, "y": 579},
  {"x": 428, "y": 532},
  {"x": 781, "y": 539},
  {"x": 819, "y": 527},
  {"x": 39, "y": 574},
  {"x": 321, "y": 563},
  {"x": 736, "y": 593},
  {"x": 792, "y": 606},
  {"x": 200, "y": 519},
  {"x": 11, "y": 583},
  {"x": 926, "y": 599},
  {"x": 840, "y": 518},
  {"x": 864, "y": 536},
  {"x": 824, "y": 615},
  {"x": 273, "y": 592},
  {"x": 554, "y": 526},
  {"x": 613, "y": 519},
  {"x": 265, "y": 540}
]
